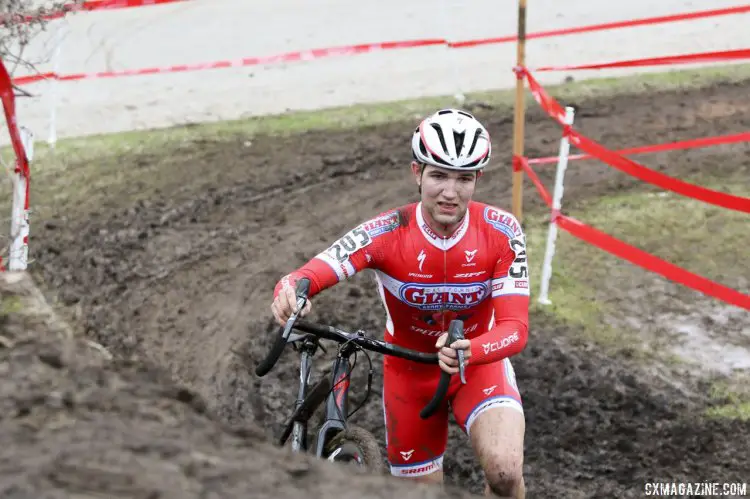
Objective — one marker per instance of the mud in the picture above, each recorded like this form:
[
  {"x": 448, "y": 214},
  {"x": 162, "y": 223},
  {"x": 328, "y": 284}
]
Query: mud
[
  {"x": 77, "y": 424},
  {"x": 185, "y": 277}
]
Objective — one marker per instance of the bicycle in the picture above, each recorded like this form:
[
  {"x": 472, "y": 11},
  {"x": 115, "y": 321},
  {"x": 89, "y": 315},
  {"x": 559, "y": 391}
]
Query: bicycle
[{"x": 336, "y": 439}]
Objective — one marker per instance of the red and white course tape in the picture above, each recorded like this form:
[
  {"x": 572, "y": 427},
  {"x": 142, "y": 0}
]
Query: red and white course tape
[
  {"x": 307, "y": 55},
  {"x": 672, "y": 146},
  {"x": 628, "y": 166},
  {"x": 633, "y": 254},
  {"x": 720, "y": 56},
  {"x": 19, "y": 246}
]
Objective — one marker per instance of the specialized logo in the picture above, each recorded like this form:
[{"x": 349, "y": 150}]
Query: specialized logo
[
  {"x": 450, "y": 296},
  {"x": 502, "y": 221},
  {"x": 421, "y": 258},
  {"x": 407, "y": 454},
  {"x": 489, "y": 390},
  {"x": 499, "y": 345},
  {"x": 470, "y": 255},
  {"x": 420, "y": 276}
]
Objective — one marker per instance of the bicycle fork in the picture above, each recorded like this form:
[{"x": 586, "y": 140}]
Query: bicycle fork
[
  {"x": 299, "y": 429},
  {"x": 337, "y": 402}
]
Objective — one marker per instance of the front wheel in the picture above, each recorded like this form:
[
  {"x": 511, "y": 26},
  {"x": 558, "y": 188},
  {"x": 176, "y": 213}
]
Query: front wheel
[{"x": 356, "y": 445}]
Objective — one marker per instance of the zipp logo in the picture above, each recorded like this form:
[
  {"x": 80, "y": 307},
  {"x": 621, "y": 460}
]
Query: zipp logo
[
  {"x": 489, "y": 390},
  {"x": 421, "y": 258},
  {"x": 498, "y": 345},
  {"x": 407, "y": 454},
  {"x": 470, "y": 255},
  {"x": 471, "y": 274}
]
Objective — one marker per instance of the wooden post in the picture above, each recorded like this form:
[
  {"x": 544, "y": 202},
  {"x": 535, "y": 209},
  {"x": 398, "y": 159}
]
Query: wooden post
[{"x": 519, "y": 116}]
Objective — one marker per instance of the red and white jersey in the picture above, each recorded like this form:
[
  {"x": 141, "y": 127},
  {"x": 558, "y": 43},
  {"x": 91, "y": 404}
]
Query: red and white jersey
[{"x": 479, "y": 275}]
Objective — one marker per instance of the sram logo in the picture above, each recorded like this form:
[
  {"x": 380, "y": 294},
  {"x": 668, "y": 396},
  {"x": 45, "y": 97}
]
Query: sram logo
[
  {"x": 450, "y": 296},
  {"x": 498, "y": 345}
]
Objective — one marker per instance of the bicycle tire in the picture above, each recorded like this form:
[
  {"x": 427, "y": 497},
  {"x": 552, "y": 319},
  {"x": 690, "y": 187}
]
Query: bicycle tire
[{"x": 356, "y": 445}]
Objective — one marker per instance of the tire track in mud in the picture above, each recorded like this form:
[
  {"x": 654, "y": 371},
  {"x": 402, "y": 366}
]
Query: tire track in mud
[{"x": 183, "y": 281}]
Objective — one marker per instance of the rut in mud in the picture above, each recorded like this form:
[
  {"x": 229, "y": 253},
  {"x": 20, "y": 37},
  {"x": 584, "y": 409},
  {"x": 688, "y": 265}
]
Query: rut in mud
[{"x": 185, "y": 277}]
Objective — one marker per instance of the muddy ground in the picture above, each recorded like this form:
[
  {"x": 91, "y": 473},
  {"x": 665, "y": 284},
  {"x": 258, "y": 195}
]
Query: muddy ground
[{"x": 184, "y": 278}]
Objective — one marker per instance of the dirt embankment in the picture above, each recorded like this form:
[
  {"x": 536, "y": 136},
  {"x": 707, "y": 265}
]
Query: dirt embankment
[{"x": 76, "y": 424}]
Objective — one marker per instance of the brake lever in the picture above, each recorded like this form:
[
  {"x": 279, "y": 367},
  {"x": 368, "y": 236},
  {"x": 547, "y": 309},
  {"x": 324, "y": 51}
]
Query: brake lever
[
  {"x": 303, "y": 287},
  {"x": 455, "y": 333}
]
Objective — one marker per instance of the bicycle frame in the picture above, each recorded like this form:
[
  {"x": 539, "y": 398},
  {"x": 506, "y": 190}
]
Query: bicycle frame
[{"x": 337, "y": 399}]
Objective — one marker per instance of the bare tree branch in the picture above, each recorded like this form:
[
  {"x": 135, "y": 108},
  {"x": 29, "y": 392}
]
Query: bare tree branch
[{"x": 20, "y": 22}]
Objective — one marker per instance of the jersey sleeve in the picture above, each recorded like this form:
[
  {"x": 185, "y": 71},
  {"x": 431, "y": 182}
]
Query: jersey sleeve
[
  {"x": 358, "y": 249},
  {"x": 510, "y": 301}
]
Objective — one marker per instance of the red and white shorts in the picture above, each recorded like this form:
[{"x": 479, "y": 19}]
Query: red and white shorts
[{"x": 416, "y": 446}]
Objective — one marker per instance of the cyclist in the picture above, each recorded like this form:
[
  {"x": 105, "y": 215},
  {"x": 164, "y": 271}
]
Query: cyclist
[{"x": 442, "y": 258}]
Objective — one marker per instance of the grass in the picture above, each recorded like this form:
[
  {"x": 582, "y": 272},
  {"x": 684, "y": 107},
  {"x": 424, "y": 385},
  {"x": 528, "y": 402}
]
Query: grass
[
  {"x": 706, "y": 240},
  {"x": 732, "y": 398}
]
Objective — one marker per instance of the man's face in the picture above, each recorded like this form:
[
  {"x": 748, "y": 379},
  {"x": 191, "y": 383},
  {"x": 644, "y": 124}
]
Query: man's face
[{"x": 445, "y": 193}]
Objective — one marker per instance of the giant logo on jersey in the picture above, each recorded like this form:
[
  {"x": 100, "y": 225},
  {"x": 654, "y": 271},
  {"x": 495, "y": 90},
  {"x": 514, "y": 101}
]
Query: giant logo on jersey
[
  {"x": 380, "y": 225},
  {"x": 439, "y": 296},
  {"x": 502, "y": 221}
]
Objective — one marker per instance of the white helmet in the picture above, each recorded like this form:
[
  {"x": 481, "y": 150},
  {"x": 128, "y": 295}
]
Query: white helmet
[{"x": 452, "y": 139}]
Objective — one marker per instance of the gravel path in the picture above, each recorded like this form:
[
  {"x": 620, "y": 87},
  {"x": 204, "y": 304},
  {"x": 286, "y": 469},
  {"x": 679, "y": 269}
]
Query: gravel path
[{"x": 209, "y": 30}]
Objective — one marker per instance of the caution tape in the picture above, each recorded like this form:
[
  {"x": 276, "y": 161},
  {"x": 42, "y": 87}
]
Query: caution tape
[
  {"x": 672, "y": 146},
  {"x": 718, "y": 56},
  {"x": 628, "y": 166},
  {"x": 646, "y": 21},
  {"x": 305, "y": 55},
  {"x": 633, "y": 254}
]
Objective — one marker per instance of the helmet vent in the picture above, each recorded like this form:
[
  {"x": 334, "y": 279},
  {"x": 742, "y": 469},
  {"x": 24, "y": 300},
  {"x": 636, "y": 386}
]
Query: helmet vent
[
  {"x": 441, "y": 137},
  {"x": 458, "y": 139},
  {"x": 477, "y": 134}
]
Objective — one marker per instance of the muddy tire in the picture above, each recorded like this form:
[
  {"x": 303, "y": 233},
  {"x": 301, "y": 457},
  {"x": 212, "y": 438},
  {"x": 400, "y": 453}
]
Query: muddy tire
[{"x": 356, "y": 445}]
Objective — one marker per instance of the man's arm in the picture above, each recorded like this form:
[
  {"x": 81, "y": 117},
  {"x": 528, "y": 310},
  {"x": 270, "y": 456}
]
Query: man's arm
[
  {"x": 510, "y": 299},
  {"x": 353, "y": 252}
]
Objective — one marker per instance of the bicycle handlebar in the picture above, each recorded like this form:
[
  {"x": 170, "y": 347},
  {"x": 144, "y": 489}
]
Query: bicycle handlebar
[
  {"x": 455, "y": 332},
  {"x": 303, "y": 288}
]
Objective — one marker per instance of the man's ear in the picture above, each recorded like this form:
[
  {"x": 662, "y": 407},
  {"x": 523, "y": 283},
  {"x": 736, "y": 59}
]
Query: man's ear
[{"x": 416, "y": 169}]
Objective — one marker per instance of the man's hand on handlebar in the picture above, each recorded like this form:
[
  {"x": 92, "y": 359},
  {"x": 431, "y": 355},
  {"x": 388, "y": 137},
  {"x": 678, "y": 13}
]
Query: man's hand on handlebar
[
  {"x": 448, "y": 355},
  {"x": 285, "y": 304}
]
